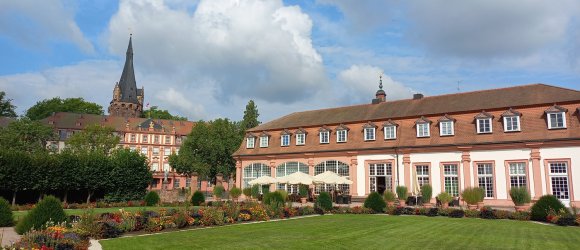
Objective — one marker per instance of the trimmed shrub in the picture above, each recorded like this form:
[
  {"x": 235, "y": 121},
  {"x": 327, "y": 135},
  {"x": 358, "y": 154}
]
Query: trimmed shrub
[
  {"x": 324, "y": 201},
  {"x": 197, "y": 198},
  {"x": 539, "y": 211},
  {"x": 472, "y": 213},
  {"x": 426, "y": 193},
  {"x": 255, "y": 191},
  {"x": 501, "y": 214},
  {"x": 303, "y": 191},
  {"x": 473, "y": 195},
  {"x": 218, "y": 191},
  {"x": 6, "y": 217},
  {"x": 444, "y": 198},
  {"x": 432, "y": 212},
  {"x": 523, "y": 215},
  {"x": 456, "y": 213},
  {"x": 389, "y": 196},
  {"x": 487, "y": 213},
  {"x": 48, "y": 209},
  {"x": 273, "y": 198},
  {"x": 235, "y": 192},
  {"x": 402, "y": 192},
  {"x": 566, "y": 220},
  {"x": 151, "y": 198},
  {"x": 520, "y": 195},
  {"x": 247, "y": 192},
  {"x": 375, "y": 202}
]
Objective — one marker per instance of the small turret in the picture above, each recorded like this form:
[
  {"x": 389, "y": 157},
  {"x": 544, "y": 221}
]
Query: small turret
[{"x": 381, "y": 96}]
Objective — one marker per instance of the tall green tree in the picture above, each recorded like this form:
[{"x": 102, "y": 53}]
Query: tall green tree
[
  {"x": 45, "y": 108},
  {"x": 95, "y": 168},
  {"x": 129, "y": 176},
  {"x": 15, "y": 169},
  {"x": 250, "y": 116},
  {"x": 6, "y": 107},
  {"x": 208, "y": 149},
  {"x": 69, "y": 177},
  {"x": 94, "y": 138},
  {"x": 25, "y": 135},
  {"x": 156, "y": 113}
]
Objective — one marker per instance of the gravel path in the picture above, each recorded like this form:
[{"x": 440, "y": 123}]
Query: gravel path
[{"x": 8, "y": 236}]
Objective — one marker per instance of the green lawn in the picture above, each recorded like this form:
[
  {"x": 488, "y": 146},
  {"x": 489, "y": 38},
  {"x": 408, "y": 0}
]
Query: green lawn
[
  {"x": 19, "y": 214},
  {"x": 364, "y": 232}
]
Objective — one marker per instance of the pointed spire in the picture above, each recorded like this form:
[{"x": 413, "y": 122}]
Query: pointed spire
[
  {"x": 127, "y": 82},
  {"x": 381, "y": 96}
]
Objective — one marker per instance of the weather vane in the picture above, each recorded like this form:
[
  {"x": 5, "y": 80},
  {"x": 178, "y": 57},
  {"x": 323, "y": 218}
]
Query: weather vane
[{"x": 380, "y": 80}]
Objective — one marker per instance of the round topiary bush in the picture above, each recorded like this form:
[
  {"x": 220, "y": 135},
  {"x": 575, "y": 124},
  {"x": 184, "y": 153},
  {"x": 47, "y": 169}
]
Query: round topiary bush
[
  {"x": 540, "y": 209},
  {"x": 324, "y": 201},
  {"x": 375, "y": 202},
  {"x": 6, "y": 217},
  {"x": 151, "y": 198},
  {"x": 247, "y": 192},
  {"x": 198, "y": 198},
  {"x": 273, "y": 198},
  {"x": 235, "y": 193},
  {"x": 219, "y": 191},
  {"x": 48, "y": 209}
]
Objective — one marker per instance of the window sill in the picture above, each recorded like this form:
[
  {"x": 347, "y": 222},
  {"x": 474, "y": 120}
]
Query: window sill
[
  {"x": 484, "y": 133},
  {"x": 390, "y": 139},
  {"x": 300, "y": 144},
  {"x": 512, "y": 131},
  {"x": 341, "y": 142},
  {"x": 371, "y": 140},
  {"x": 557, "y": 128},
  {"x": 446, "y": 135}
]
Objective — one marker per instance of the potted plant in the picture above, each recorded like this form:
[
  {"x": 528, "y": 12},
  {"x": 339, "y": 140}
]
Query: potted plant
[
  {"x": 402, "y": 194},
  {"x": 472, "y": 196},
  {"x": 256, "y": 191},
  {"x": 426, "y": 195},
  {"x": 480, "y": 203},
  {"x": 390, "y": 198},
  {"x": 444, "y": 198},
  {"x": 218, "y": 192},
  {"x": 235, "y": 193},
  {"x": 247, "y": 193},
  {"x": 521, "y": 198},
  {"x": 303, "y": 192}
]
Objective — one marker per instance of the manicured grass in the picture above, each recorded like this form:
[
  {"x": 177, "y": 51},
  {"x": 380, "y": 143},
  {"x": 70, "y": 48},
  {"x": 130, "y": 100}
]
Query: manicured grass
[
  {"x": 20, "y": 214},
  {"x": 364, "y": 232}
]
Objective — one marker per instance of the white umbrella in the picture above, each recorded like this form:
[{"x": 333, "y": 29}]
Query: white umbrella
[
  {"x": 296, "y": 178},
  {"x": 330, "y": 177},
  {"x": 263, "y": 180}
]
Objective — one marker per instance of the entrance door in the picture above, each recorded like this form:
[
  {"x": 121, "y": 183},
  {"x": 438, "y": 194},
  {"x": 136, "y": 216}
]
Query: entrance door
[{"x": 381, "y": 184}]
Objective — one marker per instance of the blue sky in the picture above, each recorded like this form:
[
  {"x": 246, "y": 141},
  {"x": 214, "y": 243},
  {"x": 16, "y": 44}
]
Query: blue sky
[{"x": 206, "y": 59}]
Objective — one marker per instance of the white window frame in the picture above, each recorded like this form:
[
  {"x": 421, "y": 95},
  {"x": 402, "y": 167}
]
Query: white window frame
[
  {"x": 478, "y": 122},
  {"x": 423, "y": 176},
  {"x": 516, "y": 176},
  {"x": 549, "y": 115},
  {"x": 155, "y": 166},
  {"x": 155, "y": 150},
  {"x": 324, "y": 137},
  {"x": 166, "y": 151},
  {"x": 453, "y": 178},
  {"x": 263, "y": 141},
  {"x": 144, "y": 150},
  {"x": 560, "y": 175},
  {"x": 369, "y": 134},
  {"x": 485, "y": 179},
  {"x": 380, "y": 170},
  {"x": 340, "y": 134},
  {"x": 508, "y": 120},
  {"x": 421, "y": 130},
  {"x": 285, "y": 140},
  {"x": 300, "y": 139},
  {"x": 387, "y": 133},
  {"x": 250, "y": 142},
  {"x": 451, "y": 128}
]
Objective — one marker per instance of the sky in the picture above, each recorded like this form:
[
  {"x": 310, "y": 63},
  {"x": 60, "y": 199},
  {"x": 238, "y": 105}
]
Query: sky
[{"x": 206, "y": 59}]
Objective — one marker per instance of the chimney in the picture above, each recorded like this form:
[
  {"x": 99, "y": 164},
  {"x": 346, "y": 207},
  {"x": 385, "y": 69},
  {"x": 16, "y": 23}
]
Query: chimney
[{"x": 417, "y": 96}]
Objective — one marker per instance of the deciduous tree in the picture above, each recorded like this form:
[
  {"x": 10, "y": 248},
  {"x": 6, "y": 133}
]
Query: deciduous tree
[
  {"x": 94, "y": 138},
  {"x": 156, "y": 113},
  {"x": 45, "y": 108},
  {"x": 25, "y": 135},
  {"x": 129, "y": 176},
  {"x": 6, "y": 107}
]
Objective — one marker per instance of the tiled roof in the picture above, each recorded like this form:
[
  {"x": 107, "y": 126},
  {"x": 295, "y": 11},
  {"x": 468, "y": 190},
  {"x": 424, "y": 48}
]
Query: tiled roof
[
  {"x": 526, "y": 95},
  {"x": 511, "y": 112},
  {"x": 66, "y": 120},
  {"x": 556, "y": 108}
]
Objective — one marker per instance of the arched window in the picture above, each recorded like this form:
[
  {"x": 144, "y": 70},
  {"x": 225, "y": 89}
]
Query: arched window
[
  {"x": 338, "y": 167},
  {"x": 288, "y": 168},
  {"x": 253, "y": 171}
]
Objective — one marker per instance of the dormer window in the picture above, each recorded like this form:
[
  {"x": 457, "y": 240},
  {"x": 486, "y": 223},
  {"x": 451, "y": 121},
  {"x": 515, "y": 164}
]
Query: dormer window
[
  {"x": 250, "y": 142},
  {"x": 390, "y": 130},
  {"x": 511, "y": 121},
  {"x": 285, "y": 138},
  {"x": 369, "y": 130},
  {"x": 446, "y": 126},
  {"x": 422, "y": 125},
  {"x": 556, "y": 117},
  {"x": 483, "y": 123},
  {"x": 263, "y": 141},
  {"x": 341, "y": 133},
  {"x": 324, "y": 134},
  {"x": 300, "y": 136}
]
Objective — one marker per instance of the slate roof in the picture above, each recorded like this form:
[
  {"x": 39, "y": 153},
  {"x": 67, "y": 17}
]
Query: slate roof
[
  {"x": 519, "y": 96},
  {"x": 127, "y": 83}
]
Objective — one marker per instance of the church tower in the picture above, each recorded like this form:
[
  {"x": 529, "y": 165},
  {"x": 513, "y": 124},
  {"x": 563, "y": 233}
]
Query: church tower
[{"x": 127, "y": 98}]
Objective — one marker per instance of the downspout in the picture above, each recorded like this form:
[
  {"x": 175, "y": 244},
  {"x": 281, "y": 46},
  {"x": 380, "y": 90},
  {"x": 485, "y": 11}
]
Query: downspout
[{"x": 397, "y": 164}]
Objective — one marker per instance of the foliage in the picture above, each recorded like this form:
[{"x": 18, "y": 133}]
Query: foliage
[
  {"x": 472, "y": 195},
  {"x": 520, "y": 195},
  {"x": 247, "y": 192},
  {"x": 235, "y": 192},
  {"x": 444, "y": 197},
  {"x": 197, "y": 198},
  {"x": 432, "y": 212},
  {"x": 487, "y": 213},
  {"x": 273, "y": 198},
  {"x": 46, "y": 107},
  {"x": 130, "y": 176},
  {"x": 156, "y": 113},
  {"x": 256, "y": 191},
  {"x": 389, "y": 196},
  {"x": 250, "y": 116},
  {"x": 426, "y": 193},
  {"x": 15, "y": 170},
  {"x": 324, "y": 201},
  {"x": 6, "y": 107},
  {"x": 152, "y": 198},
  {"x": 566, "y": 220},
  {"x": 25, "y": 135},
  {"x": 208, "y": 149},
  {"x": 402, "y": 192},
  {"x": 303, "y": 190},
  {"x": 540, "y": 209},
  {"x": 456, "y": 213},
  {"x": 48, "y": 209},
  {"x": 55, "y": 236},
  {"x": 95, "y": 169},
  {"x": 472, "y": 213},
  {"x": 94, "y": 138},
  {"x": 6, "y": 216},
  {"x": 218, "y": 191},
  {"x": 375, "y": 202}
]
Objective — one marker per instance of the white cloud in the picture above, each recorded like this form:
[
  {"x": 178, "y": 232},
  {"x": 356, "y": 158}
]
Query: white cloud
[
  {"x": 45, "y": 21},
  {"x": 364, "y": 15},
  {"x": 362, "y": 82}
]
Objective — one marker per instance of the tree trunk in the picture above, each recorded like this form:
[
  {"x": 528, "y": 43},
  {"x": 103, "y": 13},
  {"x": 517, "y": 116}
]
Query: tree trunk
[
  {"x": 65, "y": 199},
  {"x": 40, "y": 196},
  {"x": 14, "y": 198},
  {"x": 89, "y": 196}
]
